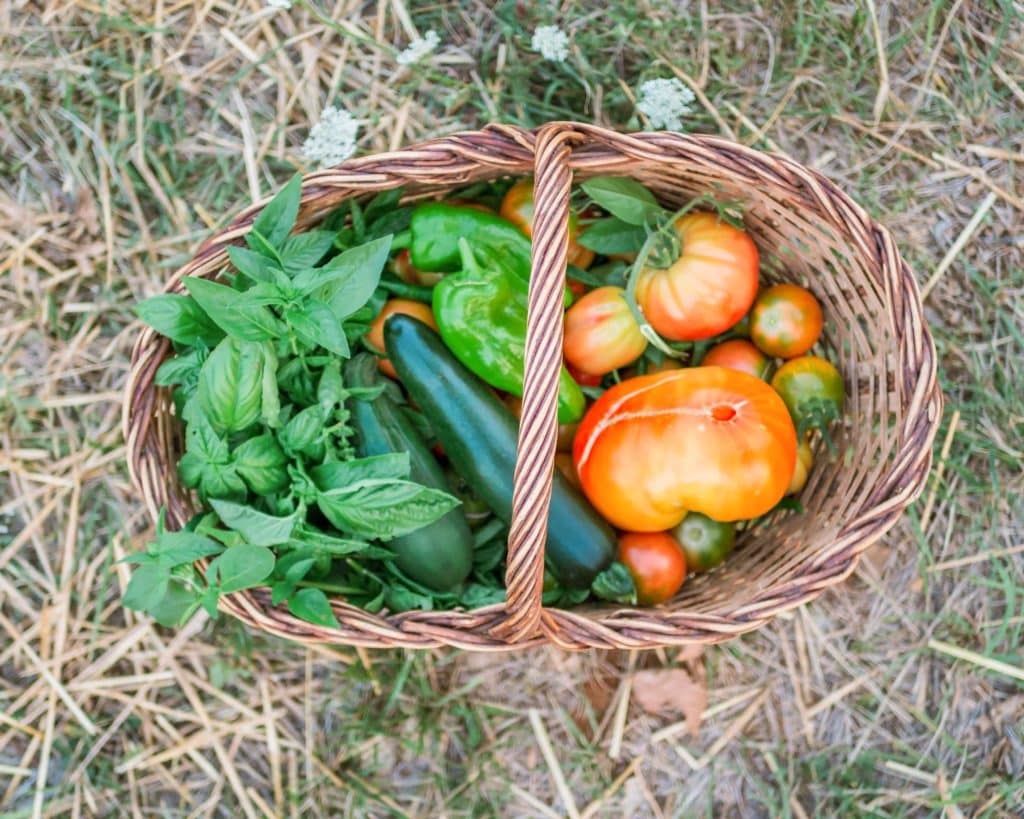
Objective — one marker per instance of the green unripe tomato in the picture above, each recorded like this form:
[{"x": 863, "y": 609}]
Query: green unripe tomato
[{"x": 705, "y": 542}]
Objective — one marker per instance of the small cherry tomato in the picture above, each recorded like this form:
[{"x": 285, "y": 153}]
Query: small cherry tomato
[
  {"x": 375, "y": 336},
  {"x": 403, "y": 267},
  {"x": 812, "y": 390},
  {"x": 517, "y": 207},
  {"x": 739, "y": 354},
  {"x": 601, "y": 333},
  {"x": 804, "y": 462},
  {"x": 581, "y": 378},
  {"x": 705, "y": 542},
  {"x": 786, "y": 321},
  {"x": 656, "y": 563},
  {"x": 708, "y": 288}
]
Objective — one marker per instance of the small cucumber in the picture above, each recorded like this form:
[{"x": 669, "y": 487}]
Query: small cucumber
[
  {"x": 440, "y": 555},
  {"x": 479, "y": 436}
]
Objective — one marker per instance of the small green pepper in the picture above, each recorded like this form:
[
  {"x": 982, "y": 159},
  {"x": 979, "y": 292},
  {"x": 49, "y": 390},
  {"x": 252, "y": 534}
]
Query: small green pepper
[
  {"x": 481, "y": 314},
  {"x": 436, "y": 228}
]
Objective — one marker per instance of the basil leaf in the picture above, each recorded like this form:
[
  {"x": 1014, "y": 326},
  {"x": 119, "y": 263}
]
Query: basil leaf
[
  {"x": 615, "y": 584},
  {"x": 240, "y": 567},
  {"x": 344, "y": 474},
  {"x": 384, "y": 509},
  {"x": 312, "y": 606},
  {"x": 299, "y": 569},
  {"x": 382, "y": 204},
  {"x": 476, "y": 596},
  {"x": 176, "y": 607},
  {"x": 231, "y": 385},
  {"x": 277, "y": 219},
  {"x": 612, "y": 236},
  {"x": 392, "y": 222},
  {"x": 624, "y": 198},
  {"x": 258, "y": 528},
  {"x": 612, "y": 273},
  {"x": 261, "y": 245},
  {"x": 226, "y": 306},
  {"x": 399, "y": 598},
  {"x": 203, "y": 441},
  {"x": 260, "y": 462},
  {"x": 181, "y": 369},
  {"x": 179, "y": 318},
  {"x": 148, "y": 584},
  {"x": 219, "y": 481},
  {"x": 330, "y": 392},
  {"x": 178, "y": 548},
  {"x": 303, "y": 434},
  {"x": 305, "y": 250},
  {"x": 281, "y": 591},
  {"x": 316, "y": 325},
  {"x": 209, "y": 601},
  {"x": 347, "y": 281},
  {"x": 270, "y": 398},
  {"x": 338, "y": 547},
  {"x": 256, "y": 266}
]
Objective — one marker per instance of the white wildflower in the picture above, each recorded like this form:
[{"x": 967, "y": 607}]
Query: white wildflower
[
  {"x": 419, "y": 48},
  {"x": 332, "y": 139},
  {"x": 280, "y": 4},
  {"x": 664, "y": 103},
  {"x": 551, "y": 42}
]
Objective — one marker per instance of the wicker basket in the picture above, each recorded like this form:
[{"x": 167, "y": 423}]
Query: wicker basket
[{"x": 806, "y": 229}]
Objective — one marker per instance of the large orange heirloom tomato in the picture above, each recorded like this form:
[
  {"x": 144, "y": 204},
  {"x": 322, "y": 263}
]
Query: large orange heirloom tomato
[
  {"x": 601, "y": 333},
  {"x": 703, "y": 439},
  {"x": 708, "y": 288}
]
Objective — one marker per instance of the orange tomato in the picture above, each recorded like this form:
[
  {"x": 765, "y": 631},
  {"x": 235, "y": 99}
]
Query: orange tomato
[
  {"x": 517, "y": 207},
  {"x": 708, "y": 288},
  {"x": 786, "y": 321},
  {"x": 375, "y": 335},
  {"x": 739, "y": 354},
  {"x": 802, "y": 470},
  {"x": 601, "y": 333},
  {"x": 656, "y": 562},
  {"x": 703, "y": 439}
]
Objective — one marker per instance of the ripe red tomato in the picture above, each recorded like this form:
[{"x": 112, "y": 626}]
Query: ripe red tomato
[
  {"x": 517, "y": 207},
  {"x": 804, "y": 462},
  {"x": 375, "y": 336},
  {"x": 708, "y": 288},
  {"x": 813, "y": 391},
  {"x": 581, "y": 378},
  {"x": 739, "y": 354},
  {"x": 656, "y": 563},
  {"x": 786, "y": 321},
  {"x": 705, "y": 542},
  {"x": 601, "y": 333},
  {"x": 703, "y": 439}
]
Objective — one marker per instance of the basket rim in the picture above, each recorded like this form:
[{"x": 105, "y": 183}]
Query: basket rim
[{"x": 505, "y": 150}]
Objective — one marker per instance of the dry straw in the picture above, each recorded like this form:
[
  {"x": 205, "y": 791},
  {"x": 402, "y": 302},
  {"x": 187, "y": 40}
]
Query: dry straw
[{"x": 807, "y": 230}]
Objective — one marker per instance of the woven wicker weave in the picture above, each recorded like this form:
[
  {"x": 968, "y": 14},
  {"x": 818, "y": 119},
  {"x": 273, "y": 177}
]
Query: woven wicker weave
[{"x": 807, "y": 231}]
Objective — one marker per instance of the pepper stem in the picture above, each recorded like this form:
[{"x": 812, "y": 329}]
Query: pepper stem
[
  {"x": 402, "y": 240},
  {"x": 469, "y": 261}
]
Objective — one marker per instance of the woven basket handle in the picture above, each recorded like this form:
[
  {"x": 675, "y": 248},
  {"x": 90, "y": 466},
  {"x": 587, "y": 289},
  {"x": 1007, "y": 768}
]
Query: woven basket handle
[{"x": 538, "y": 426}]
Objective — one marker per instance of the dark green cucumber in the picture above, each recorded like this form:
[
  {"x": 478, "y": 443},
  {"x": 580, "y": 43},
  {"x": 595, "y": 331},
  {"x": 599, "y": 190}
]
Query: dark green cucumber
[
  {"x": 479, "y": 436},
  {"x": 439, "y": 555}
]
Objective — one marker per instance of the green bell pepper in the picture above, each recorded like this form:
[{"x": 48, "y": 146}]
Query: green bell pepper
[
  {"x": 481, "y": 314},
  {"x": 436, "y": 228}
]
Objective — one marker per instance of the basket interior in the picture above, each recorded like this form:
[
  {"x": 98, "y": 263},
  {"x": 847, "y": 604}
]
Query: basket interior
[{"x": 859, "y": 338}]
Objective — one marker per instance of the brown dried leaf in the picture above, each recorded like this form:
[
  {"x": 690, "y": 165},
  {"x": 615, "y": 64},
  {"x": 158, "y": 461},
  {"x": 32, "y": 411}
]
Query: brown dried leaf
[{"x": 659, "y": 689}]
